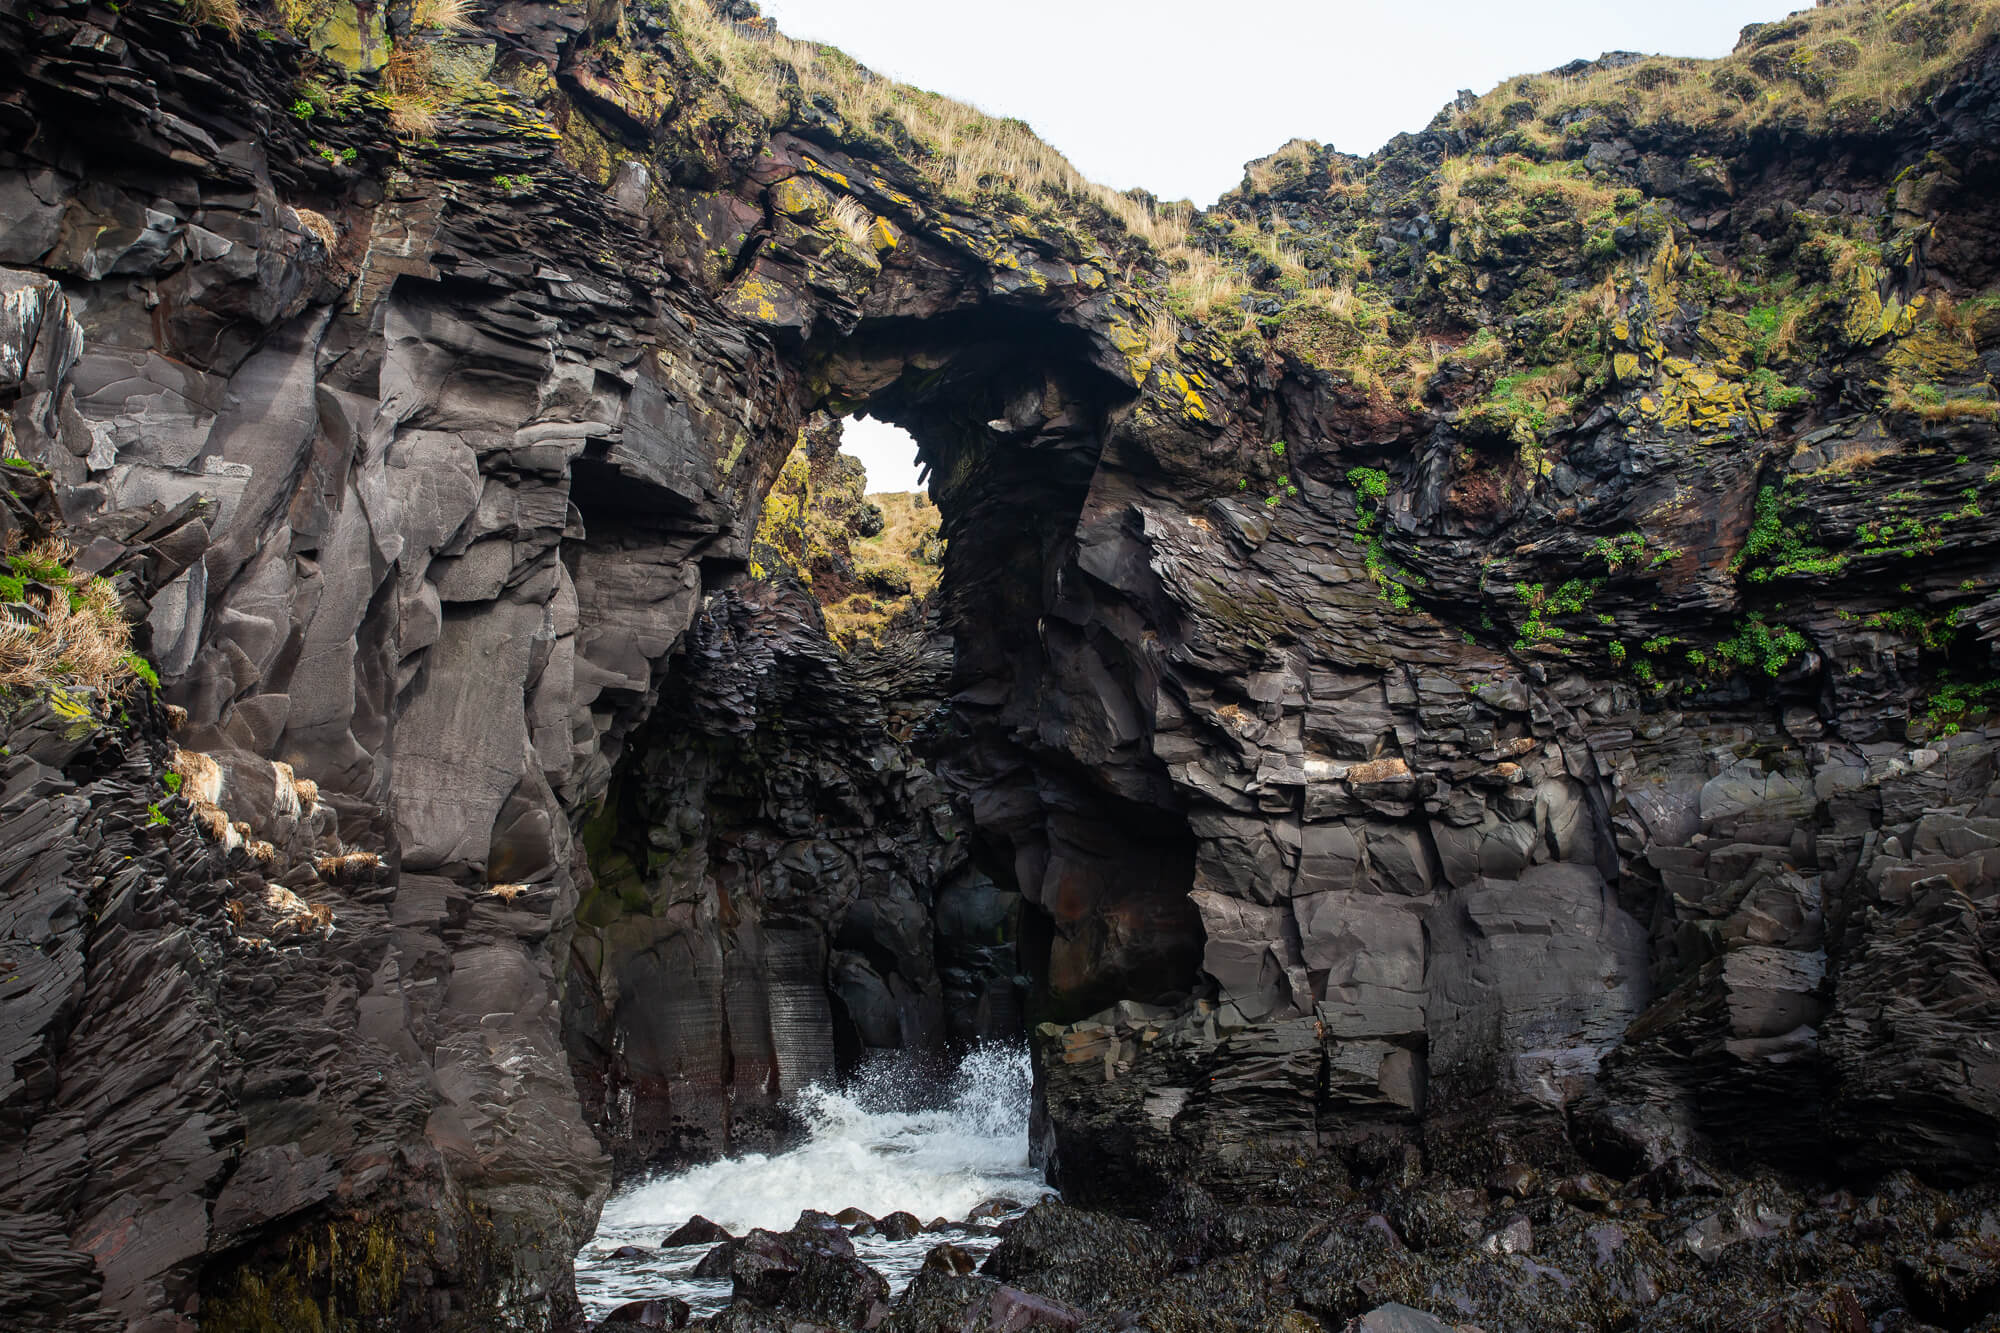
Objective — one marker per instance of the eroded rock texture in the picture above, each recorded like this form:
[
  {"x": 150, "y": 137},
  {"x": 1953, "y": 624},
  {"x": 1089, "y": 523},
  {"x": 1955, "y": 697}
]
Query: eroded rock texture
[
  {"x": 781, "y": 889},
  {"x": 1578, "y": 759}
]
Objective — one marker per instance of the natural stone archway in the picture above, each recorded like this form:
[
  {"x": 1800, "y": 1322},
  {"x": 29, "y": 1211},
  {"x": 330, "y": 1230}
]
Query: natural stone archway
[
  {"x": 1335, "y": 826},
  {"x": 717, "y": 971}
]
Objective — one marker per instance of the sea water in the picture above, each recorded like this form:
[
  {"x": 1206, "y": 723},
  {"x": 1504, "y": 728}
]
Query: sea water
[{"x": 884, "y": 1143}]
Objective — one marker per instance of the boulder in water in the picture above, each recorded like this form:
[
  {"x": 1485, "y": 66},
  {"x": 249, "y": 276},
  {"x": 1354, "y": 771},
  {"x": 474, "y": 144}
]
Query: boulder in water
[
  {"x": 990, "y": 1208},
  {"x": 697, "y": 1230},
  {"x": 658, "y": 1312},
  {"x": 949, "y": 1258},
  {"x": 631, "y": 1252},
  {"x": 899, "y": 1226},
  {"x": 809, "y": 1272},
  {"x": 853, "y": 1217}
]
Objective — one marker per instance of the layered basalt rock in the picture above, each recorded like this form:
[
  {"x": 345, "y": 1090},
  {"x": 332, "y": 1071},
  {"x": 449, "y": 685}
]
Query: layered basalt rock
[
  {"x": 1439, "y": 771},
  {"x": 782, "y": 890}
]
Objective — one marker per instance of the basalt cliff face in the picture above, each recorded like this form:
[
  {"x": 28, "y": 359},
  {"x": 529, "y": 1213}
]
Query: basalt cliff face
[{"x": 1450, "y": 666}]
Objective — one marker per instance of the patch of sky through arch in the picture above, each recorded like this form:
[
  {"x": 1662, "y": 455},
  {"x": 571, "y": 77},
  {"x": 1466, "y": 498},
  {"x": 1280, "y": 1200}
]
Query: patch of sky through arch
[{"x": 888, "y": 452}]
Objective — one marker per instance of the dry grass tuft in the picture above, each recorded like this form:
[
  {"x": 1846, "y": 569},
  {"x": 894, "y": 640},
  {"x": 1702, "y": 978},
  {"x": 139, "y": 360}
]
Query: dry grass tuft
[
  {"x": 413, "y": 116},
  {"x": 1163, "y": 335},
  {"x": 224, "y": 14},
  {"x": 853, "y": 220},
  {"x": 296, "y": 915},
  {"x": 201, "y": 777},
  {"x": 61, "y": 628},
  {"x": 507, "y": 893},
  {"x": 347, "y": 867},
  {"x": 320, "y": 226},
  {"x": 308, "y": 793},
  {"x": 445, "y": 15},
  {"x": 215, "y": 823}
]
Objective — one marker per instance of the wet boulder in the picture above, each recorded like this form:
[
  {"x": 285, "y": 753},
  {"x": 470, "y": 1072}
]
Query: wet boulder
[
  {"x": 697, "y": 1230},
  {"x": 809, "y": 1272},
  {"x": 898, "y": 1226},
  {"x": 942, "y": 1302},
  {"x": 652, "y": 1313},
  {"x": 987, "y": 1209},
  {"x": 1086, "y": 1259},
  {"x": 949, "y": 1258}
]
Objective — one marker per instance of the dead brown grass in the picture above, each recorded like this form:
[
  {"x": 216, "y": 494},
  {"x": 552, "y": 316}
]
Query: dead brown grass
[
  {"x": 224, "y": 14},
  {"x": 67, "y": 630},
  {"x": 445, "y": 15},
  {"x": 1848, "y": 63},
  {"x": 320, "y": 226},
  {"x": 201, "y": 777},
  {"x": 853, "y": 220}
]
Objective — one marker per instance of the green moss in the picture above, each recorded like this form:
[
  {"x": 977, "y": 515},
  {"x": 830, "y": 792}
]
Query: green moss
[
  {"x": 143, "y": 669},
  {"x": 337, "y": 1277}
]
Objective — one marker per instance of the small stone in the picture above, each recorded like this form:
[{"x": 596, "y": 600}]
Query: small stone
[{"x": 1517, "y": 1237}]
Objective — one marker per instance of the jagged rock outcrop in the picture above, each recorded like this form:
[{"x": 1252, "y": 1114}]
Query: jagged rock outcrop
[
  {"x": 1459, "y": 659},
  {"x": 781, "y": 888}
]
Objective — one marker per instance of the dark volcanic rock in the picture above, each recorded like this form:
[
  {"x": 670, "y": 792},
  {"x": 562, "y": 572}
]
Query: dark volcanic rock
[
  {"x": 658, "y": 1312},
  {"x": 1528, "y": 712},
  {"x": 697, "y": 1230}
]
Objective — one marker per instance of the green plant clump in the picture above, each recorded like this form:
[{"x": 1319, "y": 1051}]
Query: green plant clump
[
  {"x": 143, "y": 669},
  {"x": 1371, "y": 487},
  {"x": 1776, "y": 548},
  {"x": 1769, "y": 648},
  {"x": 1569, "y": 599},
  {"x": 1954, "y": 702}
]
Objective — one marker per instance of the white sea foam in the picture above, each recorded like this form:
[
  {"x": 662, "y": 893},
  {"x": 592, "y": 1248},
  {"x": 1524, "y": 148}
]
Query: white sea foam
[{"x": 874, "y": 1145}]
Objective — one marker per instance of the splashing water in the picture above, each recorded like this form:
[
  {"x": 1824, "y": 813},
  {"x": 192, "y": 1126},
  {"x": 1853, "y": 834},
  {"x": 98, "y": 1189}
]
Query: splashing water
[{"x": 872, "y": 1146}]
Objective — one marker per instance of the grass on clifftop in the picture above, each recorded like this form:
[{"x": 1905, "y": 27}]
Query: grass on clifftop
[
  {"x": 898, "y": 566},
  {"x": 1843, "y": 65},
  {"x": 963, "y": 151}
]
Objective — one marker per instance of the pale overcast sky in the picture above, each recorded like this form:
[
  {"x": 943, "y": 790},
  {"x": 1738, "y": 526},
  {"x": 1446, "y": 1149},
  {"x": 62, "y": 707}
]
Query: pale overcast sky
[{"x": 1176, "y": 96}]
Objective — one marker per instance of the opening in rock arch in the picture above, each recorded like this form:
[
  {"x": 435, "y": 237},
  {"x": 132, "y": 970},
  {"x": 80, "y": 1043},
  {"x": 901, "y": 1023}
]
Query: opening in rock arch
[{"x": 888, "y": 452}]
